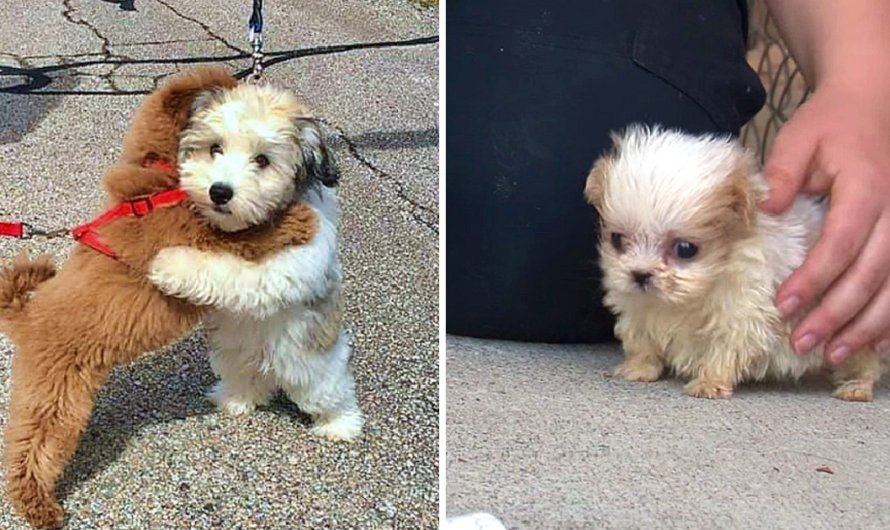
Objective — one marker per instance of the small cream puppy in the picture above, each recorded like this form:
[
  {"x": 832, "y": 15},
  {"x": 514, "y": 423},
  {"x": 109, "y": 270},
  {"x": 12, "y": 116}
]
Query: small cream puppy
[
  {"x": 246, "y": 154},
  {"x": 691, "y": 266}
]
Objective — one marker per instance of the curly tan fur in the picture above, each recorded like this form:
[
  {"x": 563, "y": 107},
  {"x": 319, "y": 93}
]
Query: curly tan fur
[{"x": 71, "y": 327}]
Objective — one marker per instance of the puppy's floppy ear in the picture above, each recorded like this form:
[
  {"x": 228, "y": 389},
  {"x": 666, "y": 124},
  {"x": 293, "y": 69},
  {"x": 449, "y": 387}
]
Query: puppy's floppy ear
[
  {"x": 744, "y": 196},
  {"x": 595, "y": 188},
  {"x": 318, "y": 162},
  {"x": 743, "y": 205}
]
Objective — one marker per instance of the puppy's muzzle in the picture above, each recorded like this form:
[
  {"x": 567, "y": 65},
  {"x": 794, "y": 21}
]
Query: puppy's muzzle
[{"x": 221, "y": 193}]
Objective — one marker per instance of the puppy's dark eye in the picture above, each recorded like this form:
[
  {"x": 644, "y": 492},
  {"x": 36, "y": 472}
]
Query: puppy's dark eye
[
  {"x": 216, "y": 149},
  {"x": 261, "y": 160},
  {"x": 685, "y": 249},
  {"x": 617, "y": 241}
]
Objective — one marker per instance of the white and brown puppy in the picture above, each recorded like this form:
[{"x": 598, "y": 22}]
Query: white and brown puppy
[
  {"x": 691, "y": 266},
  {"x": 276, "y": 324}
]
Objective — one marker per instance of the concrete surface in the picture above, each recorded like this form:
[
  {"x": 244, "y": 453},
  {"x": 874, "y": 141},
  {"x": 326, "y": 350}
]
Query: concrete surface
[
  {"x": 542, "y": 438},
  {"x": 157, "y": 455}
]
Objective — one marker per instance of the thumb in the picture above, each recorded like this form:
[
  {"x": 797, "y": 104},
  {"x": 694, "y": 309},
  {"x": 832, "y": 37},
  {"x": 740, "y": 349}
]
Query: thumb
[{"x": 788, "y": 164}]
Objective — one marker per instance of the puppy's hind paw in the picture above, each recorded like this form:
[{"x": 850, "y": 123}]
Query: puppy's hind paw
[
  {"x": 708, "y": 389},
  {"x": 49, "y": 516},
  {"x": 39, "y": 508},
  {"x": 344, "y": 427},
  {"x": 860, "y": 391},
  {"x": 638, "y": 372}
]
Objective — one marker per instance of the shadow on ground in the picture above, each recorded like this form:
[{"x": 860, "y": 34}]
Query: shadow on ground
[
  {"x": 158, "y": 389},
  {"x": 20, "y": 115},
  {"x": 386, "y": 140}
]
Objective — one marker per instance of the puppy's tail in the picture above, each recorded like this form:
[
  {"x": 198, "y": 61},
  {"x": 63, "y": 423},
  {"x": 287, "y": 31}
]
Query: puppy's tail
[{"x": 18, "y": 280}]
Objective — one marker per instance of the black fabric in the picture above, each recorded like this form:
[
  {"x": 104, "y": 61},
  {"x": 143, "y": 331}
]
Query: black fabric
[{"x": 534, "y": 88}]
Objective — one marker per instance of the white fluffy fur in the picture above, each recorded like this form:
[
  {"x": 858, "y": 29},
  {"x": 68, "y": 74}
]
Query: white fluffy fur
[
  {"x": 263, "y": 314},
  {"x": 246, "y": 121},
  {"x": 711, "y": 319},
  {"x": 275, "y": 324},
  {"x": 264, "y": 289}
]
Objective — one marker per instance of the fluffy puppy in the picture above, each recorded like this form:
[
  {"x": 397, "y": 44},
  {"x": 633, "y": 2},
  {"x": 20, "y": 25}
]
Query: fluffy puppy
[
  {"x": 691, "y": 266},
  {"x": 71, "y": 327},
  {"x": 276, "y": 324}
]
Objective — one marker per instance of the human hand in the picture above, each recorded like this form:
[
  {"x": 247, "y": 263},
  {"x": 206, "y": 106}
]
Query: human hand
[{"x": 838, "y": 143}]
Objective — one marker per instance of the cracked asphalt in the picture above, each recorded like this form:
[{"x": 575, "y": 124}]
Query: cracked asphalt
[{"x": 156, "y": 454}]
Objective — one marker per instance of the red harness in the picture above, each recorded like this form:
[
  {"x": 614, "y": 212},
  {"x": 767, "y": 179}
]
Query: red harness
[{"x": 86, "y": 233}]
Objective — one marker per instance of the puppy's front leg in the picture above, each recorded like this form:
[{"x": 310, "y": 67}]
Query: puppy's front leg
[
  {"x": 710, "y": 385},
  {"x": 716, "y": 371},
  {"x": 50, "y": 406},
  {"x": 856, "y": 377},
  {"x": 227, "y": 282},
  {"x": 643, "y": 359}
]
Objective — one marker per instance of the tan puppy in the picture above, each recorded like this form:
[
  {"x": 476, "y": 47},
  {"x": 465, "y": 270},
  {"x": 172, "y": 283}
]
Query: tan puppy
[
  {"x": 71, "y": 327},
  {"x": 691, "y": 266}
]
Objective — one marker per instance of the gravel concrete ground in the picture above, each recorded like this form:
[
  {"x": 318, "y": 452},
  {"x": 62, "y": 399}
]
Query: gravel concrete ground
[
  {"x": 542, "y": 438},
  {"x": 157, "y": 455}
]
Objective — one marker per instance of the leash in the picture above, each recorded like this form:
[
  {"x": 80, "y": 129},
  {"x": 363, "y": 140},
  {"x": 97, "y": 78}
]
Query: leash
[
  {"x": 86, "y": 233},
  {"x": 27, "y": 231},
  {"x": 255, "y": 36}
]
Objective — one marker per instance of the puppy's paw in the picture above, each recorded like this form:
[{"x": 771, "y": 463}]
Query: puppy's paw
[
  {"x": 343, "y": 427},
  {"x": 170, "y": 268},
  {"x": 233, "y": 405},
  {"x": 860, "y": 391},
  {"x": 704, "y": 388},
  {"x": 639, "y": 372}
]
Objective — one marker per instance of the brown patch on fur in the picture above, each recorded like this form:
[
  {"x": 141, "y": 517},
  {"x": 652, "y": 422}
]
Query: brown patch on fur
[
  {"x": 326, "y": 331},
  {"x": 743, "y": 200},
  {"x": 729, "y": 214},
  {"x": 72, "y": 327},
  {"x": 595, "y": 187}
]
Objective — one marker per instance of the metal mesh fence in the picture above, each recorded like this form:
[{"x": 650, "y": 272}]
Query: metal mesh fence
[{"x": 785, "y": 86}]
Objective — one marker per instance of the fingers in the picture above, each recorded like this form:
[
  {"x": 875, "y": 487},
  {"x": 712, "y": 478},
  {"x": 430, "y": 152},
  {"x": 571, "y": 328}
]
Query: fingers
[
  {"x": 789, "y": 163},
  {"x": 848, "y": 225},
  {"x": 852, "y": 292},
  {"x": 869, "y": 329}
]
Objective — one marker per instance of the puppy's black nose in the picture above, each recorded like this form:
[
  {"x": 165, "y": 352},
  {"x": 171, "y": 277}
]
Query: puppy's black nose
[
  {"x": 221, "y": 193},
  {"x": 641, "y": 278}
]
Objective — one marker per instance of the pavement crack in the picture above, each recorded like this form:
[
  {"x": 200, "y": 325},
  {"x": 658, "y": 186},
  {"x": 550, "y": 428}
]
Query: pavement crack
[
  {"x": 106, "y": 54},
  {"x": 203, "y": 26},
  {"x": 422, "y": 214},
  {"x": 62, "y": 58},
  {"x": 69, "y": 12}
]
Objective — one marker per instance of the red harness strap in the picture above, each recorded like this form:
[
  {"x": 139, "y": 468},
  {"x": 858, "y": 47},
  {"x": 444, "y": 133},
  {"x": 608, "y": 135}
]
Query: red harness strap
[{"x": 86, "y": 233}]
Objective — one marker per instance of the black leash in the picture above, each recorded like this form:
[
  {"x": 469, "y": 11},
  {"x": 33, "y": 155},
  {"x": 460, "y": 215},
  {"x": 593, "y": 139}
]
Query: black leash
[{"x": 255, "y": 36}]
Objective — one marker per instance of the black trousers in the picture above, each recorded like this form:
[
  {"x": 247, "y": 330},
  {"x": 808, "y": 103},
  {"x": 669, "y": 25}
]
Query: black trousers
[{"x": 533, "y": 89}]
